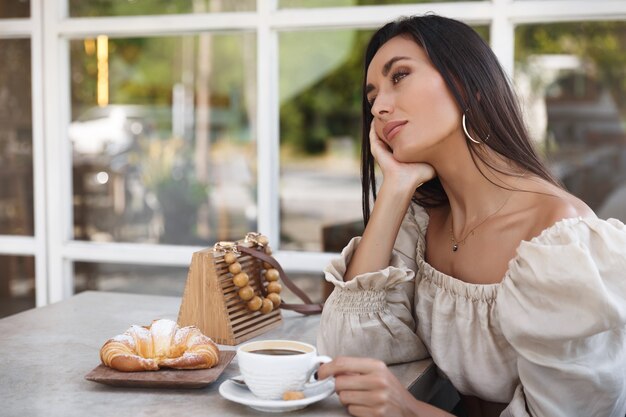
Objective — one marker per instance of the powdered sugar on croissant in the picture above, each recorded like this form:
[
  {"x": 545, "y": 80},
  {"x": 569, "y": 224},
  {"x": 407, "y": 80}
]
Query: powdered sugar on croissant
[{"x": 162, "y": 344}]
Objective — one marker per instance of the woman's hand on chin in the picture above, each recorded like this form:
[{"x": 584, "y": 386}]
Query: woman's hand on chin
[
  {"x": 409, "y": 174},
  {"x": 368, "y": 388}
]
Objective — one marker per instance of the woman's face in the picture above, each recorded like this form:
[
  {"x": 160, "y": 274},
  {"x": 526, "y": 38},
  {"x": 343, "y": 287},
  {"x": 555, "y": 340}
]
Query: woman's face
[{"x": 412, "y": 107}]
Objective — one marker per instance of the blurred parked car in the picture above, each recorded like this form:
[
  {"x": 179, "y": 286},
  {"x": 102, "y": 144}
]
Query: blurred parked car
[{"x": 110, "y": 130}]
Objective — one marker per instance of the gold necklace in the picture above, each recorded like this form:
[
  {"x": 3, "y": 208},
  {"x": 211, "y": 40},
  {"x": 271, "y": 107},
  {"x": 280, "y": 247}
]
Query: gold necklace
[{"x": 457, "y": 243}]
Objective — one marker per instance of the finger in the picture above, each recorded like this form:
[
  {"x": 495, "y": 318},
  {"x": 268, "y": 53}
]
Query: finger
[
  {"x": 378, "y": 146},
  {"x": 324, "y": 371},
  {"x": 360, "y": 411},
  {"x": 366, "y": 398},
  {"x": 318, "y": 377},
  {"x": 375, "y": 141},
  {"x": 345, "y": 364},
  {"x": 355, "y": 382},
  {"x": 372, "y": 131}
]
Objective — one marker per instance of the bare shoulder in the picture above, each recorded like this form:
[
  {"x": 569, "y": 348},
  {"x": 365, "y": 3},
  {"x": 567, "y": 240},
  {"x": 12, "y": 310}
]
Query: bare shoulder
[
  {"x": 553, "y": 205},
  {"x": 566, "y": 207}
]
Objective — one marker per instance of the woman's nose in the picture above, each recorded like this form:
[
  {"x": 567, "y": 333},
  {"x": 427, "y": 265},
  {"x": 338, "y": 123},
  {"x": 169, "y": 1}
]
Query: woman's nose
[{"x": 382, "y": 105}]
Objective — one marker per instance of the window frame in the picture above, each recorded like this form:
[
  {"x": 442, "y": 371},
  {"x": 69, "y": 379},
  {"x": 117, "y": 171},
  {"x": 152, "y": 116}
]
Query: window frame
[{"x": 50, "y": 29}]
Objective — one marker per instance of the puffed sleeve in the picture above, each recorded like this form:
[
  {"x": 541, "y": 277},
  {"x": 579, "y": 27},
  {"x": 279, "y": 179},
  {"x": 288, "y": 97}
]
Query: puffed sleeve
[
  {"x": 371, "y": 314},
  {"x": 562, "y": 307}
]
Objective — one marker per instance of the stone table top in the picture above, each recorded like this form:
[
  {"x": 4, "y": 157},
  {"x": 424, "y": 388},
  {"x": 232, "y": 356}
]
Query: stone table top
[{"x": 46, "y": 352}]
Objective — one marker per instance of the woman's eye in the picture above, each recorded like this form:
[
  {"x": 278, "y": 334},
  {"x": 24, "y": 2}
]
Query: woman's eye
[
  {"x": 398, "y": 76},
  {"x": 395, "y": 79}
]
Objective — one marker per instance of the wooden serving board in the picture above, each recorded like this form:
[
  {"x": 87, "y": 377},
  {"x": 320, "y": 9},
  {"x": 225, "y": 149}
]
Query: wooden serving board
[{"x": 163, "y": 378}]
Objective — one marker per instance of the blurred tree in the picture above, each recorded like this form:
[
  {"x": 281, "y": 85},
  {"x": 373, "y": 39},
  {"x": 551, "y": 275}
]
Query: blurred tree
[{"x": 330, "y": 107}]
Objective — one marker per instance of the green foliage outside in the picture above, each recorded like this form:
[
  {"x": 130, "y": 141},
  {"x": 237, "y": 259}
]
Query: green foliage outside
[
  {"x": 331, "y": 107},
  {"x": 143, "y": 71}
]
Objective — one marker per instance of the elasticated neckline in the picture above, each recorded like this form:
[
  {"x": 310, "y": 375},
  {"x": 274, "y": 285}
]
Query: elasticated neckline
[{"x": 471, "y": 291}]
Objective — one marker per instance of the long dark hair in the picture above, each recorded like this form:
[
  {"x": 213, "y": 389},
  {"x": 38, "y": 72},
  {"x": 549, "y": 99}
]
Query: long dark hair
[{"x": 481, "y": 89}]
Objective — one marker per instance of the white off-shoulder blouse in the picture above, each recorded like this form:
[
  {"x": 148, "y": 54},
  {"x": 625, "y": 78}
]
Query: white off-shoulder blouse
[{"x": 549, "y": 340}]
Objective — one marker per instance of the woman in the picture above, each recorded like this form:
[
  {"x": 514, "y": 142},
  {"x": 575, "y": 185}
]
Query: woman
[{"x": 473, "y": 254}]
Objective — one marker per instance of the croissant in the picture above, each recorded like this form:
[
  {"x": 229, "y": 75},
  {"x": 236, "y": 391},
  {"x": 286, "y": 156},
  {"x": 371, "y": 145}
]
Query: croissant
[{"x": 162, "y": 344}]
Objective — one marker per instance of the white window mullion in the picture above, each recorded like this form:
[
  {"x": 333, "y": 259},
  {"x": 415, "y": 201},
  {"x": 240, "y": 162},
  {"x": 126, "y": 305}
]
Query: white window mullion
[
  {"x": 65, "y": 165},
  {"x": 16, "y": 28},
  {"x": 307, "y": 262},
  {"x": 502, "y": 35},
  {"x": 268, "y": 147},
  {"x": 549, "y": 11},
  {"x": 169, "y": 255},
  {"x": 39, "y": 187},
  {"x": 129, "y": 253},
  {"x": 17, "y": 245},
  {"x": 130, "y": 26},
  {"x": 58, "y": 163},
  {"x": 472, "y": 12}
]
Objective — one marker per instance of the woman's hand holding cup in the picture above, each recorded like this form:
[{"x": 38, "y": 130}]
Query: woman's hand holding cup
[{"x": 367, "y": 387}]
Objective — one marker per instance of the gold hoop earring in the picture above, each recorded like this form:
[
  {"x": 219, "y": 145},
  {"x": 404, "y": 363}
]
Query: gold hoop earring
[{"x": 466, "y": 132}]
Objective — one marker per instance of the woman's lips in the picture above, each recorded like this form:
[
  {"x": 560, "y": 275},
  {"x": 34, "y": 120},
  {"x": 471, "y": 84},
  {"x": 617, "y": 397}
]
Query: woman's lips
[{"x": 393, "y": 129}]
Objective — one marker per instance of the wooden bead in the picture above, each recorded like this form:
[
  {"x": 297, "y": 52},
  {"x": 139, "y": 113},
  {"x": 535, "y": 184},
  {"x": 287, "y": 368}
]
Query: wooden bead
[
  {"x": 274, "y": 287},
  {"x": 267, "y": 266},
  {"x": 268, "y": 250},
  {"x": 255, "y": 303},
  {"x": 263, "y": 240},
  {"x": 241, "y": 279},
  {"x": 230, "y": 258},
  {"x": 234, "y": 268},
  {"x": 272, "y": 275},
  {"x": 274, "y": 298},
  {"x": 246, "y": 293},
  {"x": 267, "y": 306}
]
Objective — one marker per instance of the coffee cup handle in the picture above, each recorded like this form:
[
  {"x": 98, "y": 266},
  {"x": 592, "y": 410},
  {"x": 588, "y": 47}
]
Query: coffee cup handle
[{"x": 319, "y": 361}]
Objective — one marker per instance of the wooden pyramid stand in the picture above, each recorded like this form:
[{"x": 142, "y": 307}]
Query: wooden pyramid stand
[{"x": 211, "y": 303}]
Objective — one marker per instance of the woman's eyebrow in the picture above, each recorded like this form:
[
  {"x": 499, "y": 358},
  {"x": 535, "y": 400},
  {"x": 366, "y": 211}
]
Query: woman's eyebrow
[
  {"x": 392, "y": 61},
  {"x": 386, "y": 69}
]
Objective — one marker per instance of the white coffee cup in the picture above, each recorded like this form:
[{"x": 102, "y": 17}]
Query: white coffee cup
[{"x": 269, "y": 367}]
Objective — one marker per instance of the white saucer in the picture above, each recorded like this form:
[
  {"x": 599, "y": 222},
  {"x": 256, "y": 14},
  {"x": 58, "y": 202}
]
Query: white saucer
[{"x": 242, "y": 395}]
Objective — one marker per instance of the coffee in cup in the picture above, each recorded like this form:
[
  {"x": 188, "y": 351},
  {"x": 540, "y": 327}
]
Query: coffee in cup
[{"x": 272, "y": 367}]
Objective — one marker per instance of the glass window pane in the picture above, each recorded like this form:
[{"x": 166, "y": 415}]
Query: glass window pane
[
  {"x": 16, "y": 141},
  {"x": 320, "y": 128},
  {"x": 319, "y": 133},
  {"x": 17, "y": 284},
  {"x": 571, "y": 79},
  {"x": 164, "y": 141},
  {"x": 302, "y": 4},
  {"x": 14, "y": 8},
  {"x": 135, "y": 279},
  {"x": 82, "y": 8}
]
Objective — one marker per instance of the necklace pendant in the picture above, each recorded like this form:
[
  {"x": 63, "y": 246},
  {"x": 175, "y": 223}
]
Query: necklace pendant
[{"x": 455, "y": 247}]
